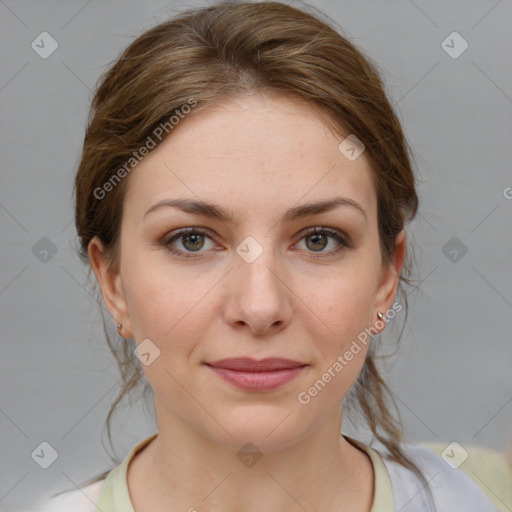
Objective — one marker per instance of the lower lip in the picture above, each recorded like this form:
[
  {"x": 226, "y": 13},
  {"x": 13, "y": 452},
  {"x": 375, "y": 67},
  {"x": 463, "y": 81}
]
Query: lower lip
[{"x": 258, "y": 381}]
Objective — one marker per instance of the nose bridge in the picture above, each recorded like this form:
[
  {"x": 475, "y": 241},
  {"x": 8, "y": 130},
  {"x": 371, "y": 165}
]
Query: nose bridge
[{"x": 259, "y": 262}]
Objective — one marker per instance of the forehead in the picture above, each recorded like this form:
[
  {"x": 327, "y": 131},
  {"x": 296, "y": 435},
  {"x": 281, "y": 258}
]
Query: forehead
[{"x": 252, "y": 150}]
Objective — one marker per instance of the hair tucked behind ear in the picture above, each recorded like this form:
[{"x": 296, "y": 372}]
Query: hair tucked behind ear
[{"x": 217, "y": 53}]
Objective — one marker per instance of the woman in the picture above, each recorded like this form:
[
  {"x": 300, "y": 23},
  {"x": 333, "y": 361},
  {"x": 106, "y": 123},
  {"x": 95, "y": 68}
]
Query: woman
[{"x": 242, "y": 198}]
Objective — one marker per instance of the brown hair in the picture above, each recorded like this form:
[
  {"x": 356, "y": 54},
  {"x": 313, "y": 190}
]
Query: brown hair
[{"x": 219, "y": 52}]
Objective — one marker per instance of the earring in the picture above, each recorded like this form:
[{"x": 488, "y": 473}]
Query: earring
[
  {"x": 119, "y": 327},
  {"x": 379, "y": 314}
]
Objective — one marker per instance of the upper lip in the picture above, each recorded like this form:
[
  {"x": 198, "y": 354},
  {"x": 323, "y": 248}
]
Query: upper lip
[{"x": 256, "y": 365}]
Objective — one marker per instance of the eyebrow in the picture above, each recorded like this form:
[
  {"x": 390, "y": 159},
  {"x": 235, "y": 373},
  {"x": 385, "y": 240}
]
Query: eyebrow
[{"x": 217, "y": 212}]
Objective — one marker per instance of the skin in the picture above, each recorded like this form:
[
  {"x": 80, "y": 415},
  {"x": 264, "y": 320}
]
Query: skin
[{"x": 256, "y": 156}]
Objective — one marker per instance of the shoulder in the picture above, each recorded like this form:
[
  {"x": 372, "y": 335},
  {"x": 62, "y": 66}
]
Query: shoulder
[
  {"x": 452, "y": 489},
  {"x": 488, "y": 468},
  {"x": 78, "y": 500},
  {"x": 85, "y": 498}
]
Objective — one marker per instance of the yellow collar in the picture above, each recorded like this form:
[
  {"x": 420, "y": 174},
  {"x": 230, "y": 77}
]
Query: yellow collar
[{"x": 114, "y": 495}]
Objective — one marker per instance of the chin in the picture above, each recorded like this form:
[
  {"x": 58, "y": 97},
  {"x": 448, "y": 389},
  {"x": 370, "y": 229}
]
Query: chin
[{"x": 268, "y": 430}]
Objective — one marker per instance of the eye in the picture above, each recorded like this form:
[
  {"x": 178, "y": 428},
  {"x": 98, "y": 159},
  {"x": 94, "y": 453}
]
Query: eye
[
  {"x": 316, "y": 239},
  {"x": 192, "y": 240}
]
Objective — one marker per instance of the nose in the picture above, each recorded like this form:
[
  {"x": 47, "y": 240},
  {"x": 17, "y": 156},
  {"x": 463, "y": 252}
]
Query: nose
[{"x": 259, "y": 295}]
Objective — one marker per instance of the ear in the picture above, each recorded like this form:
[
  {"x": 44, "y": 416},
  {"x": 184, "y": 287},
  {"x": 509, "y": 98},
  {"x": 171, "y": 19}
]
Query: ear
[
  {"x": 390, "y": 278},
  {"x": 109, "y": 280}
]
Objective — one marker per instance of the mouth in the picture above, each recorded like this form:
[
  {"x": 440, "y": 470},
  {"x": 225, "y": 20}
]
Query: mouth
[{"x": 257, "y": 375}]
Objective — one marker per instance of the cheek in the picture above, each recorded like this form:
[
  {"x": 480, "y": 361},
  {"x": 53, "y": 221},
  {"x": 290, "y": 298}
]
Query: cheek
[
  {"x": 166, "y": 304},
  {"x": 339, "y": 310},
  {"x": 337, "y": 330},
  {"x": 166, "y": 308}
]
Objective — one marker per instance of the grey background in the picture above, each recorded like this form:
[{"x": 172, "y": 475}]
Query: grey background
[{"x": 452, "y": 374}]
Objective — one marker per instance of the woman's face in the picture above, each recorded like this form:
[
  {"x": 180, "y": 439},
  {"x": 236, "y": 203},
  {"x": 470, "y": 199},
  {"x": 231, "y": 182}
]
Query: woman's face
[{"x": 257, "y": 285}]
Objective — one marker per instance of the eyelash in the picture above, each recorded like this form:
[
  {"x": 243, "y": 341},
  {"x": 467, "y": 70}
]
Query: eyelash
[{"x": 344, "y": 243}]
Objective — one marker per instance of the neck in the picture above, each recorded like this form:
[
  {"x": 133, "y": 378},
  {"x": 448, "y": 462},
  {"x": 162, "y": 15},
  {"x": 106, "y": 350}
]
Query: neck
[{"x": 182, "y": 469}]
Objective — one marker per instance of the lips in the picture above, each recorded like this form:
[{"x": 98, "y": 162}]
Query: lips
[
  {"x": 257, "y": 375},
  {"x": 248, "y": 364}
]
